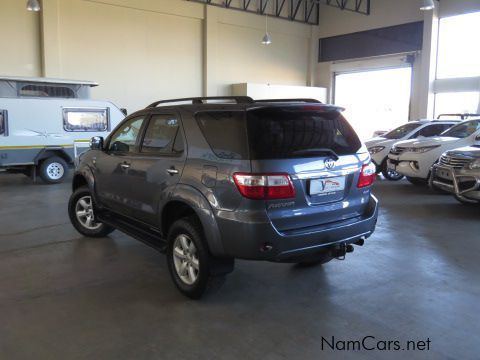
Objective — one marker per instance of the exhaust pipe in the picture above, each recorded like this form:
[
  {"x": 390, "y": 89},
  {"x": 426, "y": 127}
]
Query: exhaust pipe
[{"x": 360, "y": 242}]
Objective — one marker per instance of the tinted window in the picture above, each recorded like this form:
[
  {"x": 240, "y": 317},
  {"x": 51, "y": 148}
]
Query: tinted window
[
  {"x": 85, "y": 119},
  {"x": 162, "y": 135},
  {"x": 3, "y": 122},
  {"x": 464, "y": 129},
  {"x": 433, "y": 130},
  {"x": 225, "y": 132},
  {"x": 401, "y": 131},
  {"x": 125, "y": 138},
  {"x": 290, "y": 132},
  {"x": 46, "y": 91}
]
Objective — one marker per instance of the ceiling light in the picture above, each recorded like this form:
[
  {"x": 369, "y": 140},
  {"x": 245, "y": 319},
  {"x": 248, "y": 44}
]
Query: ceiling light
[
  {"x": 427, "y": 5},
  {"x": 267, "y": 39},
  {"x": 33, "y": 5}
]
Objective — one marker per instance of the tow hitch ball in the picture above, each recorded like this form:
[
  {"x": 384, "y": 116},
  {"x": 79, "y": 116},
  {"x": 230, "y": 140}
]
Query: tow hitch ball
[{"x": 341, "y": 250}]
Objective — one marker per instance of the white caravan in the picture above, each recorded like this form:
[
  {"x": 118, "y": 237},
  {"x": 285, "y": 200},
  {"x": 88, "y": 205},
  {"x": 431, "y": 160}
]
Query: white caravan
[{"x": 46, "y": 123}]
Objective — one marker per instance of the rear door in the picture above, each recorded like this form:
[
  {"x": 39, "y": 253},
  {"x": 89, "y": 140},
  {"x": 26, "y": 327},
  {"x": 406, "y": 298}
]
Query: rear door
[
  {"x": 322, "y": 154},
  {"x": 157, "y": 167}
]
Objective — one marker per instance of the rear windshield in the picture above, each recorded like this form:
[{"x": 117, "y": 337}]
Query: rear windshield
[
  {"x": 278, "y": 133},
  {"x": 401, "y": 131},
  {"x": 290, "y": 132}
]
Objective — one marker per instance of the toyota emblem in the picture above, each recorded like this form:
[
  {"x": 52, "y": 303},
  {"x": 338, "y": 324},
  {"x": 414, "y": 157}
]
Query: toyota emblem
[{"x": 329, "y": 163}]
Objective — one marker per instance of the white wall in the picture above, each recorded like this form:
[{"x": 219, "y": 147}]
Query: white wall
[
  {"x": 19, "y": 39},
  {"x": 143, "y": 50}
]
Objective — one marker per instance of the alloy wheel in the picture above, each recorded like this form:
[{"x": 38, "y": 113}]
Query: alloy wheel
[{"x": 185, "y": 259}]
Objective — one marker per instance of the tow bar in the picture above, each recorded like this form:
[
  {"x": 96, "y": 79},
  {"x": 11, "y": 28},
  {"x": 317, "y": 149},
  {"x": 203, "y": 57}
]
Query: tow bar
[{"x": 342, "y": 249}]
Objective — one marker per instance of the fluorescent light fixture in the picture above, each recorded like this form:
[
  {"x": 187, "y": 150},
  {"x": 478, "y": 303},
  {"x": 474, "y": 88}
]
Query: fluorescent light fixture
[
  {"x": 427, "y": 5},
  {"x": 33, "y": 5}
]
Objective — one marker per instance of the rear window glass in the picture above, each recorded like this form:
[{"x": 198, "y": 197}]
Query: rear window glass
[
  {"x": 225, "y": 132},
  {"x": 277, "y": 133},
  {"x": 281, "y": 133}
]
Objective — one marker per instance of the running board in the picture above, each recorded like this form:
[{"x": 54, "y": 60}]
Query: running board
[{"x": 149, "y": 237}]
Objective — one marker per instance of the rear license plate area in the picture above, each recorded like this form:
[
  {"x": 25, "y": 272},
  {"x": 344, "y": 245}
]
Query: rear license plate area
[{"x": 326, "y": 186}]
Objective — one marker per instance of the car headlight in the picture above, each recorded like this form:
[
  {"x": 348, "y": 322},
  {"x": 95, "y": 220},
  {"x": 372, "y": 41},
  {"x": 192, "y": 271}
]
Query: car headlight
[
  {"x": 423, "y": 149},
  {"x": 375, "y": 149},
  {"x": 475, "y": 164}
]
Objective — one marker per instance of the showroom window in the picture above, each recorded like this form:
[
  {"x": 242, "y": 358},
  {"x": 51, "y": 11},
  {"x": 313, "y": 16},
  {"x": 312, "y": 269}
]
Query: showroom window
[
  {"x": 456, "y": 103},
  {"x": 376, "y": 99},
  {"x": 87, "y": 120},
  {"x": 458, "y": 50}
]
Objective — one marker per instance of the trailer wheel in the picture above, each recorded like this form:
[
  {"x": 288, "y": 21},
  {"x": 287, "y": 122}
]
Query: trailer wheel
[{"x": 53, "y": 170}]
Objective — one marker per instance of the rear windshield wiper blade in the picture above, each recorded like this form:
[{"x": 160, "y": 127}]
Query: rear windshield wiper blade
[{"x": 319, "y": 151}]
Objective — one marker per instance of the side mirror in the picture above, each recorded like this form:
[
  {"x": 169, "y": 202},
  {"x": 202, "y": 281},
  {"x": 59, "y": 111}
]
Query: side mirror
[
  {"x": 96, "y": 143},
  {"x": 477, "y": 138},
  {"x": 124, "y": 111}
]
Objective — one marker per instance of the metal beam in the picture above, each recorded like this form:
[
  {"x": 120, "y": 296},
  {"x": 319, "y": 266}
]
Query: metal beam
[
  {"x": 282, "y": 9},
  {"x": 358, "y": 6}
]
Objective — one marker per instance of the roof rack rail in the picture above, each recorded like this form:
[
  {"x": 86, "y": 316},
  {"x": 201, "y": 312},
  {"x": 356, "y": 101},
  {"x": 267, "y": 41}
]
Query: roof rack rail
[
  {"x": 288, "y": 100},
  {"x": 461, "y": 116},
  {"x": 201, "y": 100}
]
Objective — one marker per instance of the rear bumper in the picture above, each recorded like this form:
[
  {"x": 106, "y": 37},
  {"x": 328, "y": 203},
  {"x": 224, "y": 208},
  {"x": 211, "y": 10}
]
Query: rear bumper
[
  {"x": 261, "y": 241},
  {"x": 463, "y": 183}
]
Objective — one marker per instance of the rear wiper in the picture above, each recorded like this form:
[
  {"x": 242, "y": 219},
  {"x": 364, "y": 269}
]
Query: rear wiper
[{"x": 319, "y": 151}]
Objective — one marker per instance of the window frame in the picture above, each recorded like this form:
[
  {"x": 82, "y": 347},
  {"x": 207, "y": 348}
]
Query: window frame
[
  {"x": 157, "y": 153},
  {"x": 66, "y": 110},
  {"x": 4, "y": 114},
  {"x": 108, "y": 142}
]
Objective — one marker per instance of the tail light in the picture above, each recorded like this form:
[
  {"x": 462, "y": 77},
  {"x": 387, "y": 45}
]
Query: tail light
[
  {"x": 367, "y": 176},
  {"x": 264, "y": 186}
]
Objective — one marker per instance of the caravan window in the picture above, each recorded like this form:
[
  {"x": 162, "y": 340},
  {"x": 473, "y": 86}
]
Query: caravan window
[
  {"x": 46, "y": 91},
  {"x": 3, "y": 123},
  {"x": 93, "y": 120}
]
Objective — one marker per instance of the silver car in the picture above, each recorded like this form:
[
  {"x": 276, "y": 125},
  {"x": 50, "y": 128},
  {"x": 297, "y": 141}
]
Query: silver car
[{"x": 458, "y": 172}]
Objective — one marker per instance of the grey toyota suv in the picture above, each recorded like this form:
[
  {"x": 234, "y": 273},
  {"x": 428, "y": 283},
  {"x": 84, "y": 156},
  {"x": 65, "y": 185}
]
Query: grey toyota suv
[{"x": 207, "y": 180}]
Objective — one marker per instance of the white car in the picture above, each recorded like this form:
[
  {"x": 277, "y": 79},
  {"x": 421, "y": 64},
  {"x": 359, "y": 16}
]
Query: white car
[
  {"x": 415, "y": 158},
  {"x": 380, "y": 146}
]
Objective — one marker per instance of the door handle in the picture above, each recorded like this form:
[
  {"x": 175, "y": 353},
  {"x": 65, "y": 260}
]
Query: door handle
[
  {"x": 172, "y": 171},
  {"x": 125, "y": 166}
]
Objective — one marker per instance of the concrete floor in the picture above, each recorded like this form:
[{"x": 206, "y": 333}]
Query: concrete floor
[{"x": 65, "y": 296}]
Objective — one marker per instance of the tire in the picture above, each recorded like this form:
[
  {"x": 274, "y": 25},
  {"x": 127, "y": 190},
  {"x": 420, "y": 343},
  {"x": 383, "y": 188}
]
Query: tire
[
  {"x": 390, "y": 174},
  {"x": 81, "y": 200},
  {"x": 192, "y": 268},
  {"x": 53, "y": 170},
  {"x": 417, "y": 181}
]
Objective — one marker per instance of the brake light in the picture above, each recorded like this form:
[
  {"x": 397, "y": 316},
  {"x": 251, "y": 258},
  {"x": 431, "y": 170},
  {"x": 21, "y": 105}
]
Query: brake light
[
  {"x": 367, "y": 175},
  {"x": 264, "y": 186}
]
